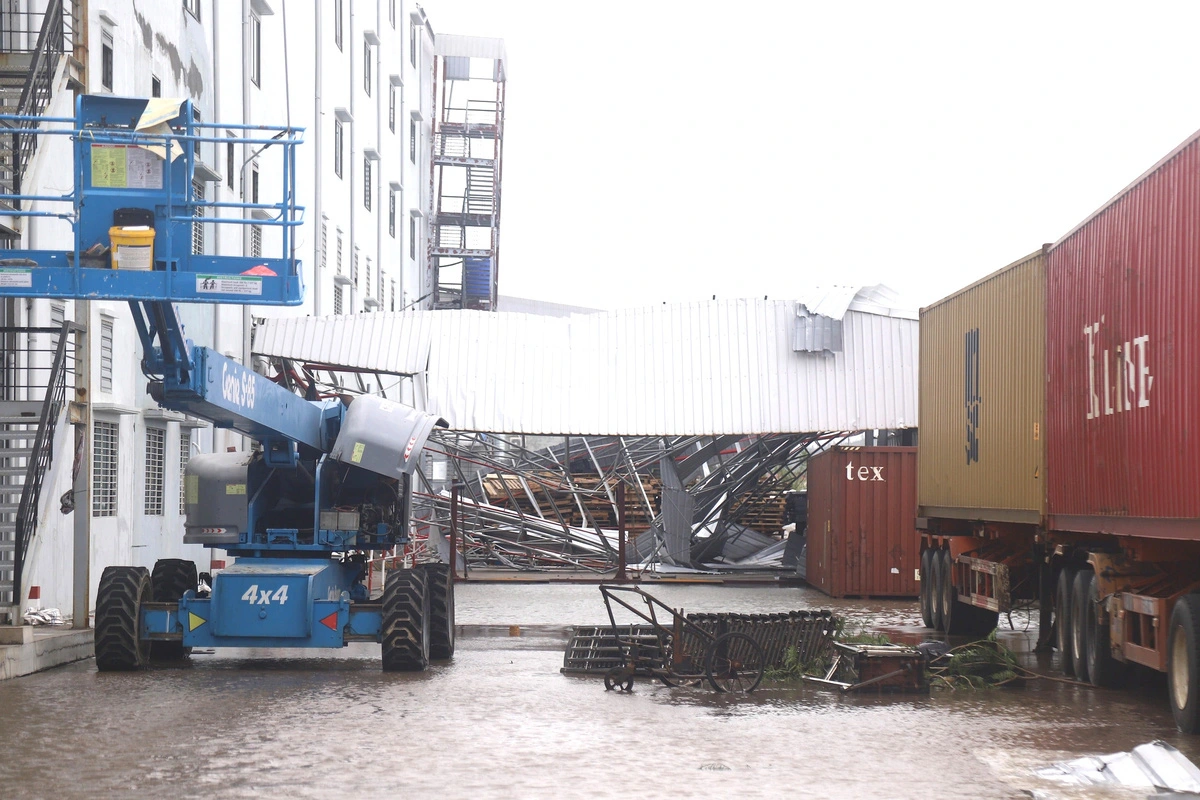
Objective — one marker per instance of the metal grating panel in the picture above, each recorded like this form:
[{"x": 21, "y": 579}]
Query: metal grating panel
[
  {"x": 185, "y": 453},
  {"x": 156, "y": 447},
  {"x": 105, "y": 437}
]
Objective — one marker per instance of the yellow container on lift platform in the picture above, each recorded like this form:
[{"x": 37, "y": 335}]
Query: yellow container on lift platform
[{"x": 132, "y": 247}]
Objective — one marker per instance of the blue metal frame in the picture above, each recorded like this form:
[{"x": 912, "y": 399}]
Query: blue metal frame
[{"x": 105, "y": 124}]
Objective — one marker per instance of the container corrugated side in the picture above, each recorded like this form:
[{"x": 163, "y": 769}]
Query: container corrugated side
[
  {"x": 982, "y": 401},
  {"x": 1124, "y": 379},
  {"x": 862, "y": 537}
]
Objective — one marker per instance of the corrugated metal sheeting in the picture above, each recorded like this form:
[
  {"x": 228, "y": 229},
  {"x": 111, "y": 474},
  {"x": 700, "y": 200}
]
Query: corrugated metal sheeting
[
  {"x": 1123, "y": 300},
  {"x": 983, "y": 398},
  {"x": 711, "y": 368}
]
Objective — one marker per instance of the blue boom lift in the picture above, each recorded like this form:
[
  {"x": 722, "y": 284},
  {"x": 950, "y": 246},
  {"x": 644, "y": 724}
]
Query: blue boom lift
[{"x": 329, "y": 481}]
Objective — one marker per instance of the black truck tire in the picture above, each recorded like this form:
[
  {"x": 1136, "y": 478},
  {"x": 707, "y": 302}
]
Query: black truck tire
[
  {"x": 118, "y": 643},
  {"x": 935, "y": 590},
  {"x": 441, "y": 611},
  {"x": 169, "y": 579},
  {"x": 1079, "y": 628},
  {"x": 1103, "y": 669},
  {"x": 405, "y": 629},
  {"x": 1183, "y": 663},
  {"x": 927, "y": 588},
  {"x": 1062, "y": 618}
]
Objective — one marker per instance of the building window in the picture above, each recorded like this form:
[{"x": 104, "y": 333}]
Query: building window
[
  {"x": 354, "y": 267},
  {"x": 324, "y": 245},
  {"x": 337, "y": 23},
  {"x": 367, "y": 68},
  {"x": 198, "y": 212},
  {"x": 254, "y": 183},
  {"x": 256, "y": 241},
  {"x": 106, "y": 60},
  {"x": 369, "y": 290},
  {"x": 392, "y": 108},
  {"x": 185, "y": 453},
  {"x": 412, "y": 141},
  {"x": 106, "y": 355},
  {"x": 229, "y": 175},
  {"x": 339, "y": 251},
  {"x": 412, "y": 238},
  {"x": 392, "y": 213},
  {"x": 337, "y": 300},
  {"x": 256, "y": 50},
  {"x": 155, "y": 87},
  {"x": 337, "y": 147},
  {"x": 156, "y": 448},
  {"x": 393, "y": 296},
  {"x": 412, "y": 43},
  {"x": 105, "y": 436},
  {"x": 367, "y": 183},
  {"x": 193, "y": 8}
]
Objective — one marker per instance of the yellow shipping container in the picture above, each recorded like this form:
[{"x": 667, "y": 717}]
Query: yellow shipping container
[{"x": 981, "y": 448}]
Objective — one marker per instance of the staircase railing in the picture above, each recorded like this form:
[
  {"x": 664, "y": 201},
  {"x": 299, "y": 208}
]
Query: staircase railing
[
  {"x": 43, "y": 447},
  {"x": 55, "y": 37}
]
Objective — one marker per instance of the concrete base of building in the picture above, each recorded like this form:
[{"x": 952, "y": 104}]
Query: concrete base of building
[{"x": 25, "y": 649}]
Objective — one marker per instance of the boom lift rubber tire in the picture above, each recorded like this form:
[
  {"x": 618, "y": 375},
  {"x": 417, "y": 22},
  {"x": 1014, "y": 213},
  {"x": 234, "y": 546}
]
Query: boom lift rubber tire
[
  {"x": 1079, "y": 628},
  {"x": 169, "y": 579},
  {"x": 119, "y": 646},
  {"x": 935, "y": 590},
  {"x": 1183, "y": 663},
  {"x": 405, "y": 629},
  {"x": 1102, "y": 668},
  {"x": 926, "y": 588},
  {"x": 441, "y": 611},
  {"x": 1062, "y": 618},
  {"x": 734, "y": 663}
]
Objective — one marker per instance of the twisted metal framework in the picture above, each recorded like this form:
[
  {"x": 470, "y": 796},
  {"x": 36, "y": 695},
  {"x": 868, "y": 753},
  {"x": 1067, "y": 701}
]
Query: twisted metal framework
[{"x": 551, "y": 502}]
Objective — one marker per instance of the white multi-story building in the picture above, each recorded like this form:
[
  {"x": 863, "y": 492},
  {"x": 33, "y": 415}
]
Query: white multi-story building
[{"x": 358, "y": 77}]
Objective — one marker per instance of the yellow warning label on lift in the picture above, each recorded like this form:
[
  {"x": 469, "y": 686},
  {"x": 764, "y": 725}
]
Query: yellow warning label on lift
[
  {"x": 235, "y": 488},
  {"x": 356, "y": 456},
  {"x": 194, "y": 621}
]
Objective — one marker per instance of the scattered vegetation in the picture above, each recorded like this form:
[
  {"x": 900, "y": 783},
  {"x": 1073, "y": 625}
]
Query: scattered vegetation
[{"x": 984, "y": 664}]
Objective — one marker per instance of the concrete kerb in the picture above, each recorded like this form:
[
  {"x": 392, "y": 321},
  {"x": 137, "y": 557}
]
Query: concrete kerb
[{"x": 25, "y": 649}]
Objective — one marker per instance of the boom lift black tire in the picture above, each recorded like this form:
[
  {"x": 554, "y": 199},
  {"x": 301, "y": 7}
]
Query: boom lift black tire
[
  {"x": 935, "y": 589},
  {"x": 119, "y": 647},
  {"x": 1183, "y": 663},
  {"x": 405, "y": 630},
  {"x": 1062, "y": 617},
  {"x": 1103, "y": 669},
  {"x": 441, "y": 611},
  {"x": 169, "y": 579},
  {"x": 1079, "y": 628},
  {"x": 926, "y": 588}
]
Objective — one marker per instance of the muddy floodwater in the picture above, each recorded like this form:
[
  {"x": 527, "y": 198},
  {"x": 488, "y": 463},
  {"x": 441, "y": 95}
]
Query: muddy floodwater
[{"x": 501, "y": 721}]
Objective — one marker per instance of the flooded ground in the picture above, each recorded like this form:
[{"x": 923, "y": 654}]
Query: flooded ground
[{"x": 501, "y": 721}]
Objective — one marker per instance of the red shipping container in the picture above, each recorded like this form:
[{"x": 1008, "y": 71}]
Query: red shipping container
[
  {"x": 1123, "y": 394},
  {"x": 862, "y": 532}
]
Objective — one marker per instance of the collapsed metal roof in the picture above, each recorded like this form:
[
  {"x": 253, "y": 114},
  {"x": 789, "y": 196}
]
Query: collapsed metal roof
[{"x": 836, "y": 360}]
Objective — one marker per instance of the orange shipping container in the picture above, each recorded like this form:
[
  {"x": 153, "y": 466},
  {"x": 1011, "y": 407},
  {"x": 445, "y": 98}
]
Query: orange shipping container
[{"x": 862, "y": 509}]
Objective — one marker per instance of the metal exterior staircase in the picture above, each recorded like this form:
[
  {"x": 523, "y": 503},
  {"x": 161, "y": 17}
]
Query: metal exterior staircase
[
  {"x": 28, "y": 66},
  {"x": 28, "y": 424}
]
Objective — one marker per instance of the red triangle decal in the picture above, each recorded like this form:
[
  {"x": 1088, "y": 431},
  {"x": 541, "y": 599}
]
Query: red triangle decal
[{"x": 331, "y": 621}]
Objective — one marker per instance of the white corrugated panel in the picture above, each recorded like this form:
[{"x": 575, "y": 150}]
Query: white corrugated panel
[{"x": 720, "y": 367}]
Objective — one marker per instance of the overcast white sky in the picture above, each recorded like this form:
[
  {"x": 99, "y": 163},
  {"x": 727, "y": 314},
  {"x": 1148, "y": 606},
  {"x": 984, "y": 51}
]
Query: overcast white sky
[{"x": 669, "y": 151}]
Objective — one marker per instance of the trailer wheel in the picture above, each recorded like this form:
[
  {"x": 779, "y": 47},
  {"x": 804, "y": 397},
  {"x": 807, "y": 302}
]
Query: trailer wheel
[
  {"x": 936, "y": 571},
  {"x": 118, "y": 641},
  {"x": 955, "y": 615},
  {"x": 1062, "y": 617},
  {"x": 169, "y": 580},
  {"x": 1103, "y": 669},
  {"x": 1183, "y": 663},
  {"x": 405, "y": 629},
  {"x": 926, "y": 588},
  {"x": 441, "y": 611},
  {"x": 734, "y": 663},
  {"x": 1079, "y": 628}
]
